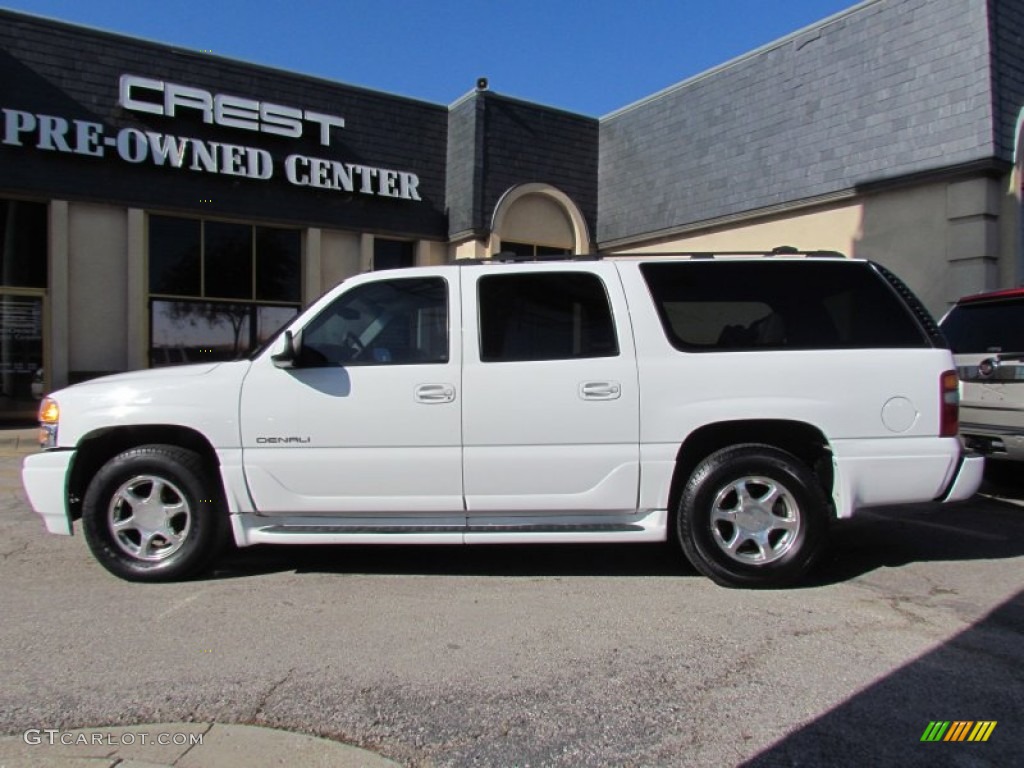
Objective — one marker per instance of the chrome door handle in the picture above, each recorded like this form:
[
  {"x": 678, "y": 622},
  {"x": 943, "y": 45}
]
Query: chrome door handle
[
  {"x": 600, "y": 390},
  {"x": 435, "y": 393}
]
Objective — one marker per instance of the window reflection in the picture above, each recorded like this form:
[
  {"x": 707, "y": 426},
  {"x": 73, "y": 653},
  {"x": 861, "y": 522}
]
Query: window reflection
[
  {"x": 205, "y": 279},
  {"x": 206, "y": 331},
  {"x": 21, "y": 353}
]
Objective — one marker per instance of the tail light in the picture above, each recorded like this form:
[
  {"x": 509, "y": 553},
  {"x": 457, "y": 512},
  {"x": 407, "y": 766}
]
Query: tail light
[{"x": 949, "y": 391}]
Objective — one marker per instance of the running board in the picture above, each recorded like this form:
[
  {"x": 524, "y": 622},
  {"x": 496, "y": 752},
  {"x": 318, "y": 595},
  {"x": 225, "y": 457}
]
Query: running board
[
  {"x": 352, "y": 530},
  {"x": 650, "y": 526},
  {"x": 347, "y": 530}
]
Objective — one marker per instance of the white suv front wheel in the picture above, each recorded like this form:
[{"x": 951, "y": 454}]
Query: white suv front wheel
[{"x": 151, "y": 514}]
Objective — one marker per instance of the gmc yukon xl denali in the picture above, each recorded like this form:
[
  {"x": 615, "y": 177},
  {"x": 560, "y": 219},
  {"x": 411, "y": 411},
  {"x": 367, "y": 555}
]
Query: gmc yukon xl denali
[{"x": 736, "y": 404}]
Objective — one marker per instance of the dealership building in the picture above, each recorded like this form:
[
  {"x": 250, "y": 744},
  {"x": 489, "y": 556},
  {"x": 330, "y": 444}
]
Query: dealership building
[{"x": 161, "y": 205}]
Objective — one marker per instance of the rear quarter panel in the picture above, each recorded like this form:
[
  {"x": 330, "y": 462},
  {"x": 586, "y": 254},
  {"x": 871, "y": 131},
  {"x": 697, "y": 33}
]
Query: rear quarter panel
[{"x": 873, "y": 405}]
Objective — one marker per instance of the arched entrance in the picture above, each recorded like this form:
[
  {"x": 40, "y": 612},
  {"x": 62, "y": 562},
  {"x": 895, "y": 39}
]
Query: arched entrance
[{"x": 538, "y": 220}]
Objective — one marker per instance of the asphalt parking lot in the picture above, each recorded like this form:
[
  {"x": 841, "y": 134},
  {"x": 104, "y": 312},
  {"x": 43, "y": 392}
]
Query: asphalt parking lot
[{"x": 540, "y": 656}]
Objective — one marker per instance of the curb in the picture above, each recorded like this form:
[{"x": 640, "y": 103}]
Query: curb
[{"x": 180, "y": 745}]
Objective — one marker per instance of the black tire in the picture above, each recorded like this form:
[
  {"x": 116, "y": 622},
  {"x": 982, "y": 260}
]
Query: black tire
[
  {"x": 752, "y": 516},
  {"x": 153, "y": 513}
]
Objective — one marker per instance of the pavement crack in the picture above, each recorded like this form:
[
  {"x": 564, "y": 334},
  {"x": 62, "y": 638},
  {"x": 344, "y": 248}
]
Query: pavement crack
[
  {"x": 194, "y": 744},
  {"x": 21, "y": 549},
  {"x": 262, "y": 703}
]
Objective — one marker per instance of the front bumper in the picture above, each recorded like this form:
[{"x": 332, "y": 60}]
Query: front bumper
[{"x": 44, "y": 476}]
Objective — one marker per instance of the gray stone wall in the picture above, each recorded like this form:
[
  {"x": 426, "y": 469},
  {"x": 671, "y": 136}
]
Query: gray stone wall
[
  {"x": 888, "y": 89},
  {"x": 496, "y": 143},
  {"x": 1007, "y": 34},
  {"x": 464, "y": 167}
]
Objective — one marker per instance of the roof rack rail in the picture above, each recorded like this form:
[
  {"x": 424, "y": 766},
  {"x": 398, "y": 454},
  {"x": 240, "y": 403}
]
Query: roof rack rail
[
  {"x": 781, "y": 250},
  {"x": 508, "y": 257}
]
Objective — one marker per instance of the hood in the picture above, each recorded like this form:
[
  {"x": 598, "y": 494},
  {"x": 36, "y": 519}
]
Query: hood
[{"x": 164, "y": 375}]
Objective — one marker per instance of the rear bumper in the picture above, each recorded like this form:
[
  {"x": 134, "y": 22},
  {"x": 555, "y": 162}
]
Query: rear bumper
[
  {"x": 999, "y": 442},
  {"x": 871, "y": 473},
  {"x": 44, "y": 476},
  {"x": 967, "y": 479}
]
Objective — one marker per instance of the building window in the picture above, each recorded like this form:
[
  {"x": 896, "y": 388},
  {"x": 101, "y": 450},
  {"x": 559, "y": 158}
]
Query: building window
[
  {"x": 23, "y": 273},
  {"x": 532, "y": 249},
  {"x": 217, "y": 289},
  {"x": 23, "y": 244},
  {"x": 392, "y": 254}
]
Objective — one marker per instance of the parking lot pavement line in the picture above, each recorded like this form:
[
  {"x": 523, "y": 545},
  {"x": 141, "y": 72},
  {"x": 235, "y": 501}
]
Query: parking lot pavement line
[
  {"x": 1003, "y": 499},
  {"x": 178, "y": 606}
]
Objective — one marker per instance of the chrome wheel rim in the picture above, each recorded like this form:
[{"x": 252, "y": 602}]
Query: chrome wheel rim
[
  {"x": 149, "y": 518},
  {"x": 755, "y": 520}
]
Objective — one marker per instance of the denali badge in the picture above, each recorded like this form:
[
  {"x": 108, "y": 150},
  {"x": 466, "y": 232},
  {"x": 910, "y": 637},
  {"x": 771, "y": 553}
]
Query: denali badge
[{"x": 280, "y": 440}]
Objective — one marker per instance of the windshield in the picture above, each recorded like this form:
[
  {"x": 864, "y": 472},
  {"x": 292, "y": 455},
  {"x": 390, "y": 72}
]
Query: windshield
[{"x": 986, "y": 327}]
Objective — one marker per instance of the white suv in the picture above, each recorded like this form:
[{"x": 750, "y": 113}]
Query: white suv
[{"x": 735, "y": 404}]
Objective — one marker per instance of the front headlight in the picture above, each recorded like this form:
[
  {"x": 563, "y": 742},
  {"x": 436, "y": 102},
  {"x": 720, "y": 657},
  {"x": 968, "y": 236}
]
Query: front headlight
[{"x": 49, "y": 415}]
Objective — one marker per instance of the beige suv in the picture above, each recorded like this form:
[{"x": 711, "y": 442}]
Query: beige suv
[{"x": 986, "y": 334}]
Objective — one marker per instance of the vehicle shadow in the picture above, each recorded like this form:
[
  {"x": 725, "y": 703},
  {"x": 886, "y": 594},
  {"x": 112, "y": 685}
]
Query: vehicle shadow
[
  {"x": 509, "y": 560},
  {"x": 974, "y": 677},
  {"x": 982, "y": 528}
]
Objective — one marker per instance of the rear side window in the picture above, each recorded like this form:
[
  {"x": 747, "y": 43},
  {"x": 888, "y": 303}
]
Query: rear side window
[
  {"x": 989, "y": 326},
  {"x": 544, "y": 316},
  {"x": 744, "y": 305}
]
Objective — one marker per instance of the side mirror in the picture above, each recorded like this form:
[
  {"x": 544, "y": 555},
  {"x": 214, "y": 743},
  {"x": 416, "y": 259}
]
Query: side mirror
[{"x": 286, "y": 357}]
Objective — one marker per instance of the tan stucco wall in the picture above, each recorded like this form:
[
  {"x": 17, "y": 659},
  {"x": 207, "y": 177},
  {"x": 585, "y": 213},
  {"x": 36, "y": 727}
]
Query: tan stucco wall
[
  {"x": 340, "y": 257},
  {"x": 468, "y": 249},
  {"x": 945, "y": 239},
  {"x": 430, "y": 253},
  {"x": 1011, "y": 258},
  {"x": 908, "y": 231},
  {"x": 97, "y": 287},
  {"x": 539, "y": 220},
  {"x": 833, "y": 228}
]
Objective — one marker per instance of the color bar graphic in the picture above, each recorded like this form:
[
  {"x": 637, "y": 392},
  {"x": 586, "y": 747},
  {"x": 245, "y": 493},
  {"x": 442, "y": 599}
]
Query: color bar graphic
[
  {"x": 958, "y": 730},
  {"x": 935, "y": 731},
  {"x": 982, "y": 730}
]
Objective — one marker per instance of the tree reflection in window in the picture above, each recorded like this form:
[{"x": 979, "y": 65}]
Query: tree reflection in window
[
  {"x": 206, "y": 278},
  {"x": 198, "y": 331}
]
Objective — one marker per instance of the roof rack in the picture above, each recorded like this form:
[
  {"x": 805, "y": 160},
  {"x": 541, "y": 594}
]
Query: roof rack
[
  {"x": 782, "y": 250},
  {"x": 507, "y": 257}
]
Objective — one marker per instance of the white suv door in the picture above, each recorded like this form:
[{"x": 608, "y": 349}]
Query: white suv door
[
  {"x": 367, "y": 419},
  {"x": 550, "y": 394}
]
